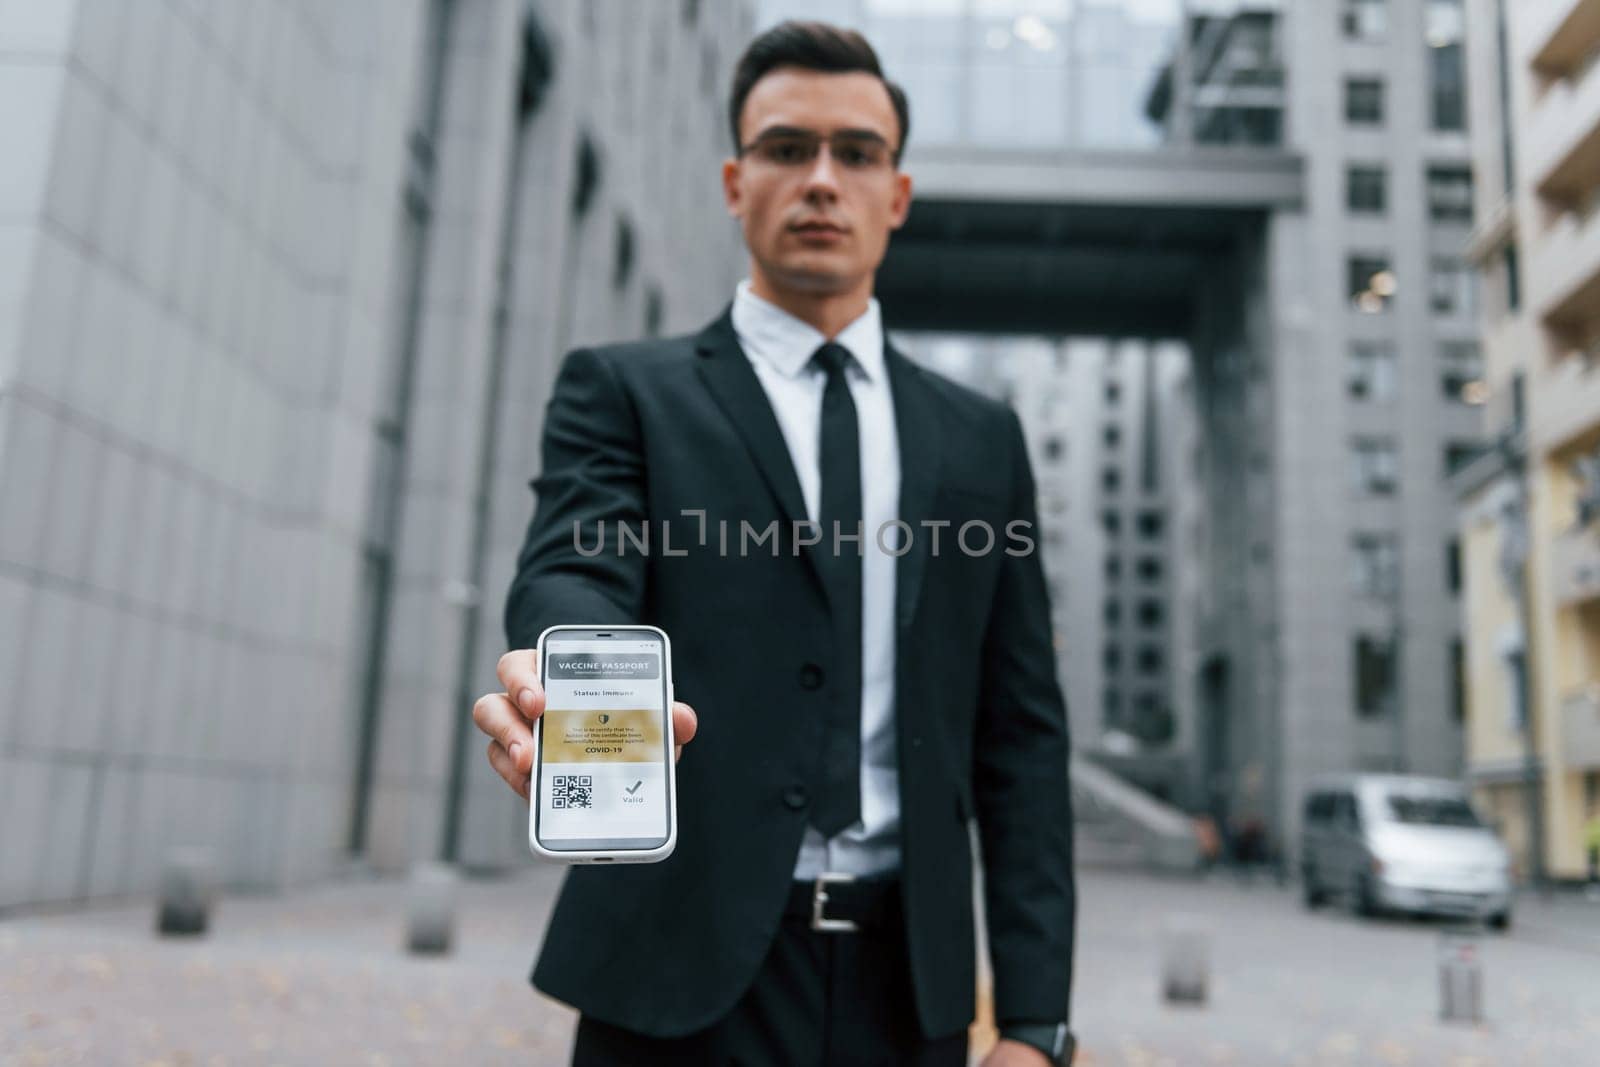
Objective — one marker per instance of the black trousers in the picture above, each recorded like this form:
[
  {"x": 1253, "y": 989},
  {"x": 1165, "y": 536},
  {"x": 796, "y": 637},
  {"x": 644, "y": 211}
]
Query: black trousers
[{"x": 819, "y": 999}]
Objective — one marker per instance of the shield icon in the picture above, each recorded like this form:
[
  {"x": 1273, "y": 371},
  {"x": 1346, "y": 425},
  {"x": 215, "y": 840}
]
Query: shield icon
[{"x": 604, "y": 719}]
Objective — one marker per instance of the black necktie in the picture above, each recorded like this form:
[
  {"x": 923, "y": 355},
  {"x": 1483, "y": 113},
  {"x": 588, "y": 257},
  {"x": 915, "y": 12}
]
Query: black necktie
[{"x": 838, "y": 787}]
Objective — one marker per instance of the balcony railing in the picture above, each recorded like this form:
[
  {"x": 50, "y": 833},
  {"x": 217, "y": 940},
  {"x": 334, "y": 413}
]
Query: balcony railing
[
  {"x": 1559, "y": 144},
  {"x": 1575, "y": 565},
  {"x": 1560, "y": 32},
  {"x": 1580, "y": 728}
]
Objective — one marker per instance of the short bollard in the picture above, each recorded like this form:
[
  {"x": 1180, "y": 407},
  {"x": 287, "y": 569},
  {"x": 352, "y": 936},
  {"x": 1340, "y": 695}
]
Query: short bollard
[
  {"x": 1184, "y": 961},
  {"x": 1460, "y": 979},
  {"x": 188, "y": 891},
  {"x": 431, "y": 909}
]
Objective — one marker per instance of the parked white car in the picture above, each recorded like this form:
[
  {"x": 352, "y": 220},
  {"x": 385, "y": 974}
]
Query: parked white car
[{"x": 1398, "y": 843}]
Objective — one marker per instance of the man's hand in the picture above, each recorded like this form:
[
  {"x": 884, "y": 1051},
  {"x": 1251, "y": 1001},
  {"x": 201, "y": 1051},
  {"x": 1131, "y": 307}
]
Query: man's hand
[
  {"x": 506, "y": 717},
  {"x": 1014, "y": 1054}
]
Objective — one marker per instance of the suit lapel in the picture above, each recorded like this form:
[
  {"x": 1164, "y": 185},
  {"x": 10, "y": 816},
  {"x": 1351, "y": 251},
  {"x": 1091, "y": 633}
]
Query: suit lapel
[
  {"x": 733, "y": 384},
  {"x": 915, "y": 417}
]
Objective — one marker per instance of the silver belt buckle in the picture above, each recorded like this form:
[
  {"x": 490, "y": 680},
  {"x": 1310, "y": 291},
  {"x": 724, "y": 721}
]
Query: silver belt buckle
[{"x": 819, "y": 898}]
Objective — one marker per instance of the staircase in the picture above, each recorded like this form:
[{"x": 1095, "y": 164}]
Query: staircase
[{"x": 1118, "y": 825}]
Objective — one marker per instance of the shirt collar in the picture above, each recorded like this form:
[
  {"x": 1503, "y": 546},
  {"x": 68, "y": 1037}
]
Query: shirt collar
[{"x": 769, "y": 333}]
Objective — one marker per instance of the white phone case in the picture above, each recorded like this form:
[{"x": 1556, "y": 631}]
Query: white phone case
[{"x": 627, "y": 855}]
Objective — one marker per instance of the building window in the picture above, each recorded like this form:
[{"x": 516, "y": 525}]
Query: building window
[
  {"x": 1149, "y": 613},
  {"x": 1447, "y": 86},
  {"x": 1370, "y": 282},
  {"x": 1516, "y": 679},
  {"x": 1053, "y": 448},
  {"x": 1458, "y": 454},
  {"x": 654, "y": 312},
  {"x": 1111, "y": 479},
  {"x": 1452, "y": 565},
  {"x": 1111, "y": 521},
  {"x": 1458, "y": 681},
  {"x": 1365, "y": 190},
  {"x": 1113, "y": 436},
  {"x": 1148, "y": 569},
  {"x": 1513, "y": 281},
  {"x": 1112, "y": 655},
  {"x": 1112, "y": 701},
  {"x": 1371, "y": 370},
  {"x": 1150, "y": 525},
  {"x": 1450, "y": 286},
  {"x": 1450, "y": 194},
  {"x": 1113, "y": 612},
  {"x": 586, "y": 177},
  {"x": 1113, "y": 394},
  {"x": 1153, "y": 723},
  {"x": 1149, "y": 659},
  {"x": 708, "y": 68},
  {"x": 1461, "y": 372},
  {"x": 1374, "y": 465},
  {"x": 1113, "y": 568},
  {"x": 1374, "y": 663},
  {"x": 1363, "y": 101},
  {"x": 622, "y": 255},
  {"x": 1375, "y": 564},
  {"x": 1365, "y": 20}
]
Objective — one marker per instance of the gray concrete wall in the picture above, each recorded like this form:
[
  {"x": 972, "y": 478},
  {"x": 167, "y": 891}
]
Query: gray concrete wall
[
  {"x": 201, "y": 245},
  {"x": 1317, "y": 510},
  {"x": 204, "y": 245},
  {"x": 655, "y": 109}
]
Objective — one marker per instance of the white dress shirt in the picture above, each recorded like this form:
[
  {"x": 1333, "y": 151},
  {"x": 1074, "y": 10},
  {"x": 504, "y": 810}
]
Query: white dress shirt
[{"x": 779, "y": 347}]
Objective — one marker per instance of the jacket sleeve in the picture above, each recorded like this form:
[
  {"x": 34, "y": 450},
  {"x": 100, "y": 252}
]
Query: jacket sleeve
[
  {"x": 591, "y": 483},
  {"x": 1020, "y": 781}
]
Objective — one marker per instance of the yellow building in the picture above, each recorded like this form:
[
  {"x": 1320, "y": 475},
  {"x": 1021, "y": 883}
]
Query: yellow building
[{"x": 1534, "y": 73}]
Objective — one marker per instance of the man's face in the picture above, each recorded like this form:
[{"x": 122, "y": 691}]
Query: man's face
[{"x": 816, "y": 190}]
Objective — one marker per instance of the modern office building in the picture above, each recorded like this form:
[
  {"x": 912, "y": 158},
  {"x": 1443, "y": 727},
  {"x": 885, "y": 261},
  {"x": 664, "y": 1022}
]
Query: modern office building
[
  {"x": 1531, "y": 505},
  {"x": 1284, "y": 188},
  {"x": 283, "y": 286},
  {"x": 1380, "y": 120}
]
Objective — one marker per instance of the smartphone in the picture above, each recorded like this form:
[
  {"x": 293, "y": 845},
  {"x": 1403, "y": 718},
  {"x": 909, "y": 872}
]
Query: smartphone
[{"x": 604, "y": 789}]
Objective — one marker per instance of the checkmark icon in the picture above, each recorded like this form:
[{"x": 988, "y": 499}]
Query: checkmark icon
[{"x": 636, "y": 785}]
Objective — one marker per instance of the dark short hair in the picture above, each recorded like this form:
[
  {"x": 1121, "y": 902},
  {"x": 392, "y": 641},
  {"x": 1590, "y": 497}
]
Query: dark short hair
[{"x": 811, "y": 46}]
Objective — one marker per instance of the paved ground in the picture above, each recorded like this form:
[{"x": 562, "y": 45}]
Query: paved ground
[
  {"x": 1291, "y": 987},
  {"x": 318, "y": 977}
]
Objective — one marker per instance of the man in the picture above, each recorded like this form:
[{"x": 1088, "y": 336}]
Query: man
[{"x": 864, "y": 688}]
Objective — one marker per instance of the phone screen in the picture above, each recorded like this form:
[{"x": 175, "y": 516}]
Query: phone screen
[{"x": 603, "y": 756}]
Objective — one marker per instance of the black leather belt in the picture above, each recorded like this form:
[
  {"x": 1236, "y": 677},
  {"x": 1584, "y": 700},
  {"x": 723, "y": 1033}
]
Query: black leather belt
[{"x": 842, "y": 903}]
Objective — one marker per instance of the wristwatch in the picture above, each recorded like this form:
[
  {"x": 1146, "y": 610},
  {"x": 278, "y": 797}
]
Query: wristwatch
[{"x": 1052, "y": 1039}]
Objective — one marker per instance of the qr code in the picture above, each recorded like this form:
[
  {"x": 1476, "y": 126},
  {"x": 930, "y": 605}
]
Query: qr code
[{"x": 571, "y": 791}]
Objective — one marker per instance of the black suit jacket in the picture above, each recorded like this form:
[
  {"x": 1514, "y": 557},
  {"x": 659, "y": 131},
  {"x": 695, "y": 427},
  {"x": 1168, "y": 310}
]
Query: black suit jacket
[{"x": 647, "y": 431}]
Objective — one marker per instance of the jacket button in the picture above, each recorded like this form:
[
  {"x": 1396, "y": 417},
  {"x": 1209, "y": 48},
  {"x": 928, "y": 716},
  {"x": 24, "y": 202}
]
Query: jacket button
[
  {"x": 810, "y": 676},
  {"x": 795, "y": 797}
]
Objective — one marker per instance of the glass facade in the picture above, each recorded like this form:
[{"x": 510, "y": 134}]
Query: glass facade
[{"x": 1018, "y": 73}]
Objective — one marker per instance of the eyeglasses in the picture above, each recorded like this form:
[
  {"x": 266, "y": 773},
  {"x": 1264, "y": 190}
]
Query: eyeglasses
[{"x": 857, "y": 151}]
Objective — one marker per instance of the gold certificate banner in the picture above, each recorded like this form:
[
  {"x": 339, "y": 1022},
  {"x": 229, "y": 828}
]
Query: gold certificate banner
[{"x": 631, "y": 735}]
